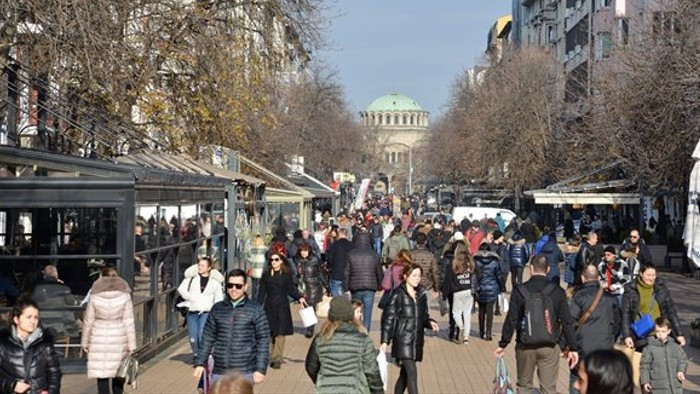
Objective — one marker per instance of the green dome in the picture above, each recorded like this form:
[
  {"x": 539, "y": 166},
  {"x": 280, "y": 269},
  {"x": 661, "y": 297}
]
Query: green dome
[{"x": 394, "y": 102}]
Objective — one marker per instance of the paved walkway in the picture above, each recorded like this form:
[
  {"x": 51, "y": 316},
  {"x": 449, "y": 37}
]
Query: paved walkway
[{"x": 447, "y": 367}]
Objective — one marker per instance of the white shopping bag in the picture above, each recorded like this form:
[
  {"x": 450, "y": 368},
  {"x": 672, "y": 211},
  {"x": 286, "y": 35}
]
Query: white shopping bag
[
  {"x": 383, "y": 368},
  {"x": 503, "y": 303},
  {"x": 308, "y": 316}
]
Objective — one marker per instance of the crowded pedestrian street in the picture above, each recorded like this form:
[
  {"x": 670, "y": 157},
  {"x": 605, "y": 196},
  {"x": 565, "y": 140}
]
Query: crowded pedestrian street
[
  {"x": 349, "y": 197},
  {"x": 449, "y": 368}
]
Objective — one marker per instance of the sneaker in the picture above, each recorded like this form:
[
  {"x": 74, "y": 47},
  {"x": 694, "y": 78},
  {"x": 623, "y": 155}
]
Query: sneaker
[
  {"x": 461, "y": 336},
  {"x": 466, "y": 341}
]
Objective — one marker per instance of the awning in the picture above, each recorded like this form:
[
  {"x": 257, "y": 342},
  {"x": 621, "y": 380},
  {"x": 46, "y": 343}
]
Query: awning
[{"x": 547, "y": 197}]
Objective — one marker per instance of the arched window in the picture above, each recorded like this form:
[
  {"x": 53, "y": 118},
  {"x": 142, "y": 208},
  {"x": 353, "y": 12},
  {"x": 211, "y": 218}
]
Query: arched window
[
  {"x": 405, "y": 120},
  {"x": 396, "y": 119},
  {"x": 393, "y": 157},
  {"x": 380, "y": 119},
  {"x": 388, "y": 119},
  {"x": 399, "y": 157},
  {"x": 374, "y": 121},
  {"x": 413, "y": 119}
]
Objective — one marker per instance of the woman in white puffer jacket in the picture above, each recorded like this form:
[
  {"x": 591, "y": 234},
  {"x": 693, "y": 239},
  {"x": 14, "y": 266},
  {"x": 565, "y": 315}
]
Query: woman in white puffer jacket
[
  {"x": 108, "y": 330},
  {"x": 202, "y": 288}
]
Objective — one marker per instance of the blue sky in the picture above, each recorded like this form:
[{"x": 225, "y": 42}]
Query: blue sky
[{"x": 413, "y": 47}]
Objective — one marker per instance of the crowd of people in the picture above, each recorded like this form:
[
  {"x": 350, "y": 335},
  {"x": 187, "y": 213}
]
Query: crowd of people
[{"x": 579, "y": 302}]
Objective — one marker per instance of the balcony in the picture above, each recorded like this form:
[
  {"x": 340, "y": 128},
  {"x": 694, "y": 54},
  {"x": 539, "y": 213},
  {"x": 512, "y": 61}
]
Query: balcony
[{"x": 574, "y": 15}]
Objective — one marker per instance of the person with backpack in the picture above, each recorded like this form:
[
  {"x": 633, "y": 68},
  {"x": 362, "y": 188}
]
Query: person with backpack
[{"x": 539, "y": 312}]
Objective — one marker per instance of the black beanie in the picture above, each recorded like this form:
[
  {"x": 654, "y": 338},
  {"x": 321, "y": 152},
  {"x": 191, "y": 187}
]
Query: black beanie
[{"x": 610, "y": 249}]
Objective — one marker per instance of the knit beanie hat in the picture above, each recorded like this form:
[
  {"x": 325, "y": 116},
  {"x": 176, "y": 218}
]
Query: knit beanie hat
[
  {"x": 609, "y": 249},
  {"x": 497, "y": 234},
  {"x": 341, "y": 309}
]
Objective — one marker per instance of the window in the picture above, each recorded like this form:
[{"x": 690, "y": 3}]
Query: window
[
  {"x": 381, "y": 119},
  {"x": 388, "y": 119},
  {"x": 404, "y": 120},
  {"x": 396, "y": 119},
  {"x": 399, "y": 158},
  {"x": 624, "y": 32},
  {"x": 413, "y": 119},
  {"x": 393, "y": 157},
  {"x": 551, "y": 34},
  {"x": 388, "y": 158},
  {"x": 604, "y": 45}
]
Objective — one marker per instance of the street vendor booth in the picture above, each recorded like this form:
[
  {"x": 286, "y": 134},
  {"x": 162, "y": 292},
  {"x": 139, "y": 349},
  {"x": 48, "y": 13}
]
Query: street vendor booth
[
  {"x": 147, "y": 214},
  {"x": 324, "y": 197}
]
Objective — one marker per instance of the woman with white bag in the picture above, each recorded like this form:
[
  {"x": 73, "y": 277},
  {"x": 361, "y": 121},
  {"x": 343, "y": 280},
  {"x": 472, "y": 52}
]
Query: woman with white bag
[
  {"x": 312, "y": 282},
  {"x": 342, "y": 358},
  {"x": 275, "y": 285}
]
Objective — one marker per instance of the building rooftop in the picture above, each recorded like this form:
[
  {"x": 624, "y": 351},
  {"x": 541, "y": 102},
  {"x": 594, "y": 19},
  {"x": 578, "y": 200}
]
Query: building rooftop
[{"x": 394, "y": 102}]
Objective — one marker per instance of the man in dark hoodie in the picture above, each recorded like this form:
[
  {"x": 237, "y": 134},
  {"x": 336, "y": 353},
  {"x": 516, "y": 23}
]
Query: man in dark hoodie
[
  {"x": 363, "y": 275},
  {"x": 554, "y": 257},
  {"x": 337, "y": 259}
]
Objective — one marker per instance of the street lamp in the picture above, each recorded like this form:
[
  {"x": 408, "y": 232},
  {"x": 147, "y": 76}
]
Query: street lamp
[{"x": 410, "y": 164}]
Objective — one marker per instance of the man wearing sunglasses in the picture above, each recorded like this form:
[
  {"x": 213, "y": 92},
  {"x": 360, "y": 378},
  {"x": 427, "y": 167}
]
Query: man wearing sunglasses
[
  {"x": 236, "y": 333},
  {"x": 641, "y": 248}
]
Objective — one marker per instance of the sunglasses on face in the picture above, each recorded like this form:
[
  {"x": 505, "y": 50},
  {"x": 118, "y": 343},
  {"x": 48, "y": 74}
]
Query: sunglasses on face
[
  {"x": 275, "y": 259},
  {"x": 634, "y": 236},
  {"x": 238, "y": 286}
]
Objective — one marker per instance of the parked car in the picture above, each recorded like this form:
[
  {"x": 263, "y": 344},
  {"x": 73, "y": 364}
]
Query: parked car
[{"x": 477, "y": 213}]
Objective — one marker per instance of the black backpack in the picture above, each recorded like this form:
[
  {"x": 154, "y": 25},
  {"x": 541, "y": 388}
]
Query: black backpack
[{"x": 540, "y": 324}]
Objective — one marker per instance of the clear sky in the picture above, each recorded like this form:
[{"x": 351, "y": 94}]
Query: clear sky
[{"x": 412, "y": 47}]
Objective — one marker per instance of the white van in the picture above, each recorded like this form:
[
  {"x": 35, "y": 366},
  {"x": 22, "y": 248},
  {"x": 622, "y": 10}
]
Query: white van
[{"x": 477, "y": 213}]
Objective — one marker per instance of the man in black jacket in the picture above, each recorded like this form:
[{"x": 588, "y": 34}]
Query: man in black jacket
[
  {"x": 640, "y": 247},
  {"x": 236, "y": 334},
  {"x": 363, "y": 275},
  {"x": 602, "y": 326},
  {"x": 586, "y": 255},
  {"x": 544, "y": 357},
  {"x": 337, "y": 260}
]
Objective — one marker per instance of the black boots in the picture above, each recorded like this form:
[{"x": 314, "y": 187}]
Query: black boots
[{"x": 455, "y": 335}]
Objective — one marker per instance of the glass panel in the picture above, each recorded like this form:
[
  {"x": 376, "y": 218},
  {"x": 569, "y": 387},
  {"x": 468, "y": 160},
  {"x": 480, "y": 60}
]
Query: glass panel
[
  {"x": 164, "y": 312},
  {"x": 185, "y": 259},
  {"x": 205, "y": 220},
  {"x": 189, "y": 220},
  {"x": 139, "y": 321},
  {"x": 53, "y": 231}
]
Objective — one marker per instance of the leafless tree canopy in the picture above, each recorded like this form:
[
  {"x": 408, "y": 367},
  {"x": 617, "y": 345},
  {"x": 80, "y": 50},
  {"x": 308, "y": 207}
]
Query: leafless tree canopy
[
  {"x": 643, "y": 111},
  {"x": 182, "y": 74}
]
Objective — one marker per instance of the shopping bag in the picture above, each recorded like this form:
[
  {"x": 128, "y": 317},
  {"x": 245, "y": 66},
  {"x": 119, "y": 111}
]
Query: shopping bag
[
  {"x": 323, "y": 307},
  {"x": 383, "y": 368},
  {"x": 444, "y": 308},
  {"x": 308, "y": 316},
  {"x": 501, "y": 382},
  {"x": 503, "y": 303},
  {"x": 635, "y": 359},
  {"x": 128, "y": 370}
]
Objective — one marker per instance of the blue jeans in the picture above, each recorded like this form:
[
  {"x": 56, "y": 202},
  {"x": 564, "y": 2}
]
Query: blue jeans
[
  {"x": 336, "y": 287},
  {"x": 367, "y": 299},
  {"x": 195, "y": 327},
  {"x": 378, "y": 246}
]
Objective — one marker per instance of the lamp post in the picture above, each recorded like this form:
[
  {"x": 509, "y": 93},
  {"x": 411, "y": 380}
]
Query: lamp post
[{"x": 410, "y": 164}]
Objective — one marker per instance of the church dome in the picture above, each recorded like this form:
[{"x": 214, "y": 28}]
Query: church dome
[{"x": 394, "y": 103}]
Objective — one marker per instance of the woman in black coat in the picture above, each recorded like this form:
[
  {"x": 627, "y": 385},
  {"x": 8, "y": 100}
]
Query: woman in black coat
[
  {"x": 24, "y": 342},
  {"x": 312, "y": 282},
  {"x": 403, "y": 322},
  {"x": 275, "y": 285},
  {"x": 488, "y": 273}
]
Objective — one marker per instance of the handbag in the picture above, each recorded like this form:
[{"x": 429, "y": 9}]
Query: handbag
[
  {"x": 182, "y": 306},
  {"x": 129, "y": 370},
  {"x": 308, "y": 316},
  {"x": 323, "y": 307},
  {"x": 386, "y": 296},
  {"x": 645, "y": 324},
  {"x": 501, "y": 382}
]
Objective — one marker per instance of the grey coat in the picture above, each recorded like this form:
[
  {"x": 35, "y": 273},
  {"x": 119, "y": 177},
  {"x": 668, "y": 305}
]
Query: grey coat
[{"x": 660, "y": 364}]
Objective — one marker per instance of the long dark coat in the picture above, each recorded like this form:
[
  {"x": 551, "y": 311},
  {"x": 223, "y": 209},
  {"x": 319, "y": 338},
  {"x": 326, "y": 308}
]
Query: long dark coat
[{"x": 272, "y": 295}]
